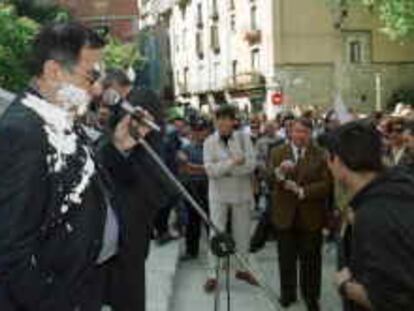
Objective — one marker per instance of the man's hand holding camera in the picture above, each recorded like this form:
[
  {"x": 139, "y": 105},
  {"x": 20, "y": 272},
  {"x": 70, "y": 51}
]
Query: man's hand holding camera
[
  {"x": 285, "y": 168},
  {"x": 292, "y": 186}
]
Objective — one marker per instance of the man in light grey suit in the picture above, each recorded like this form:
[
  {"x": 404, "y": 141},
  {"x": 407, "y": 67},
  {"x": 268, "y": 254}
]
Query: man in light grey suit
[{"x": 229, "y": 160}]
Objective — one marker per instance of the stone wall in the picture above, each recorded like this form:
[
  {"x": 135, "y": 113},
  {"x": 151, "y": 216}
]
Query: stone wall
[
  {"x": 361, "y": 81},
  {"x": 306, "y": 85}
]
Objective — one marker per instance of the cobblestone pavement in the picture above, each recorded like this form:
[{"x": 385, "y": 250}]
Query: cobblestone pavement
[{"x": 188, "y": 293}]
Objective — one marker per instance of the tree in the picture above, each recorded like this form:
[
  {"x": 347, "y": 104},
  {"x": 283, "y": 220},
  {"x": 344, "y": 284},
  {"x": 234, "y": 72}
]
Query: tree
[
  {"x": 15, "y": 36},
  {"x": 41, "y": 13},
  {"x": 397, "y": 16},
  {"x": 122, "y": 55}
]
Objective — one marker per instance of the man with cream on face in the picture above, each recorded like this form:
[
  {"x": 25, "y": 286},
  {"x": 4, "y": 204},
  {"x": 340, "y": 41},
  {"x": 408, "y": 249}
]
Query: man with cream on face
[{"x": 59, "y": 215}]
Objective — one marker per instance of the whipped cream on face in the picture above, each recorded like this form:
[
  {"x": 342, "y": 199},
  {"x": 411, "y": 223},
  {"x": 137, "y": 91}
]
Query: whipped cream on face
[
  {"x": 73, "y": 99},
  {"x": 58, "y": 127}
]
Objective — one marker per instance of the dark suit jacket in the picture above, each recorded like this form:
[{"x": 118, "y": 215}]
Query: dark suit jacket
[
  {"x": 313, "y": 175},
  {"x": 143, "y": 193},
  {"x": 44, "y": 264}
]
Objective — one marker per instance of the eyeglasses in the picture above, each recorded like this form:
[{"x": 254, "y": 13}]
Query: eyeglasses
[{"x": 92, "y": 76}]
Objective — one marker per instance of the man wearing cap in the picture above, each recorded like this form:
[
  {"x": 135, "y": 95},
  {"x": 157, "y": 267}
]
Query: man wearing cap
[{"x": 195, "y": 178}]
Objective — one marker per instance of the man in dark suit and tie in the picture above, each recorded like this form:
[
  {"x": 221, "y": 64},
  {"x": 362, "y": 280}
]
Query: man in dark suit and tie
[
  {"x": 301, "y": 185},
  {"x": 60, "y": 220}
]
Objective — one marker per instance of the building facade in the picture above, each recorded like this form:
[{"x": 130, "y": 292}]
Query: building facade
[
  {"x": 155, "y": 47},
  {"x": 221, "y": 51},
  {"x": 322, "y": 51},
  {"x": 119, "y": 18},
  {"x": 247, "y": 51}
]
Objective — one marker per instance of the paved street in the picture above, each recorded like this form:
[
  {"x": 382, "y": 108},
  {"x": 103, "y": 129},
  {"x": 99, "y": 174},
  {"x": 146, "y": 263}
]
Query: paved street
[{"x": 188, "y": 292}]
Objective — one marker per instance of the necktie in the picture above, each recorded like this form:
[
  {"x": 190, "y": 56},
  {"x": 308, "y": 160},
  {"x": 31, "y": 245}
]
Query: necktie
[{"x": 298, "y": 154}]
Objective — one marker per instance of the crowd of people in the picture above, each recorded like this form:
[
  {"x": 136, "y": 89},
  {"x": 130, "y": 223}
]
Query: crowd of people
[{"x": 80, "y": 198}]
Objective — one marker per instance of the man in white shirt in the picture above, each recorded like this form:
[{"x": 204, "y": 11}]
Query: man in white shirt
[{"x": 229, "y": 160}]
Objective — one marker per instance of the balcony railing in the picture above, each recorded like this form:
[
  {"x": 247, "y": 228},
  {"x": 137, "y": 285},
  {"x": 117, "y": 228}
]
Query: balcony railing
[
  {"x": 253, "y": 36},
  {"x": 247, "y": 80}
]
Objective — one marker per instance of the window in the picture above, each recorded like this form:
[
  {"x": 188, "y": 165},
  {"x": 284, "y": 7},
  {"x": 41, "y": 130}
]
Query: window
[
  {"x": 199, "y": 44},
  {"x": 232, "y": 5},
  {"x": 199, "y": 15},
  {"x": 215, "y": 41},
  {"x": 253, "y": 18},
  {"x": 233, "y": 22},
  {"x": 255, "y": 59},
  {"x": 355, "y": 52},
  {"x": 234, "y": 71},
  {"x": 215, "y": 10},
  {"x": 186, "y": 79},
  {"x": 357, "y": 47}
]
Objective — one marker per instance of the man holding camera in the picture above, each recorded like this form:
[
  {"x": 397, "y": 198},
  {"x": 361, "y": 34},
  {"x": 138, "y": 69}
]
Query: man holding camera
[{"x": 301, "y": 186}]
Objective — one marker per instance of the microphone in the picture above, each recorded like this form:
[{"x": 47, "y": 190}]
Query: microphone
[{"x": 140, "y": 115}]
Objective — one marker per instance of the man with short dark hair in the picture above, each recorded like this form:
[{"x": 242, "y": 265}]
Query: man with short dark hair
[
  {"x": 59, "y": 222},
  {"x": 380, "y": 275},
  {"x": 229, "y": 160},
  {"x": 301, "y": 186}
]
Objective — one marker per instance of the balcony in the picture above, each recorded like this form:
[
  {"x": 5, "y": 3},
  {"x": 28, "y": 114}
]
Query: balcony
[
  {"x": 253, "y": 37},
  {"x": 215, "y": 15},
  {"x": 246, "y": 81},
  {"x": 199, "y": 23}
]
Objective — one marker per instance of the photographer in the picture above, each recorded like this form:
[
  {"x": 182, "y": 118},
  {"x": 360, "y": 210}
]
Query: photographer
[{"x": 302, "y": 185}]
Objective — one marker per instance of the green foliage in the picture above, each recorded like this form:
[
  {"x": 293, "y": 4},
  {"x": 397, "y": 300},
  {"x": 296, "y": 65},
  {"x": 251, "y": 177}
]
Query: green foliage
[
  {"x": 122, "y": 55},
  {"x": 397, "y": 16},
  {"x": 15, "y": 36},
  {"x": 42, "y": 14}
]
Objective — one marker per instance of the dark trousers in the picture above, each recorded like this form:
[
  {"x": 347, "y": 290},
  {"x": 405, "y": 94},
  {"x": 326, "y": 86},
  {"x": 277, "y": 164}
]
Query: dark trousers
[
  {"x": 163, "y": 215},
  {"x": 199, "y": 190},
  {"x": 300, "y": 251},
  {"x": 263, "y": 230},
  {"x": 125, "y": 288}
]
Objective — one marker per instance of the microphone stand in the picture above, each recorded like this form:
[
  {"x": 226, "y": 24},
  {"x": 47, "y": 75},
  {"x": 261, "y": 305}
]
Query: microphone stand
[{"x": 222, "y": 244}]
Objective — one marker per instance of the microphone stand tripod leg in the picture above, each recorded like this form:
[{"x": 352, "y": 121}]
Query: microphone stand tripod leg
[
  {"x": 217, "y": 291},
  {"x": 228, "y": 282},
  {"x": 268, "y": 292}
]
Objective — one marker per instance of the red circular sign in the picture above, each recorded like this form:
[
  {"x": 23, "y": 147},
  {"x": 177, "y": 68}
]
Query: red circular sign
[{"x": 277, "y": 98}]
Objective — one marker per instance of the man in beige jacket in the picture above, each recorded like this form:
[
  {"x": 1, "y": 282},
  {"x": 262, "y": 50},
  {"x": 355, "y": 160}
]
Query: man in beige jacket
[{"x": 229, "y": 160}]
